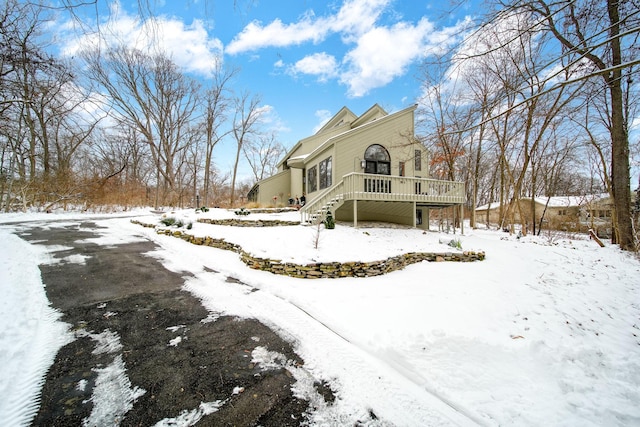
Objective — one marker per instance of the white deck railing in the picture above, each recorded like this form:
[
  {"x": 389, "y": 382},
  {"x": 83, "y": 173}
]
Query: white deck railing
[{"x": 361, "y": 186}]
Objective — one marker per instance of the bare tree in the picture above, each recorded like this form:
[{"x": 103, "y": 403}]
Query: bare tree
[
  {"x": 599, "y": 38},
  {"x": 246, "y": 122},
  {"x": 149, "y": 94},
  {"x": 263, "y": 154},
  {"x": 43, "y": 119},
  {"x": 217, "y": 104}
]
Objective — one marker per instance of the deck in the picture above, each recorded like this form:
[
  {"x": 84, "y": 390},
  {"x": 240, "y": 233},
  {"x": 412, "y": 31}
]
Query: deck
[{"x": 386, "y": 188}]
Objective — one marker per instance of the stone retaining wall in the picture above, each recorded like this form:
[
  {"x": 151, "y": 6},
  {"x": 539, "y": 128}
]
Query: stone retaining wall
[
  {"x": 247, "y": 222},
  {"x": 271, "y": 210},
  {"x": 322, "y": 269}
]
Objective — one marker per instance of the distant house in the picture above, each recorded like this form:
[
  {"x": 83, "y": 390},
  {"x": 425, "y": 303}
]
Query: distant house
[
  {"x": 570, "y": 213},
  {"x": 368, "y": 168}
]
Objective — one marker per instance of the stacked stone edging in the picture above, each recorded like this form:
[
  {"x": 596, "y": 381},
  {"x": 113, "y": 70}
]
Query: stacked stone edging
[
  {"x": 272, "y": 210},
  {"x": 322, "y": 269},
  {"x": 247, "y": 223}
]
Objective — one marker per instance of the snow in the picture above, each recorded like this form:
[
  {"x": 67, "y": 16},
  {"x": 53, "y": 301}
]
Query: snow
[
  {"x": 113, "y": 395},
  {"x": 545, "y": 331},
  {"x": 32, "y": 332},
  {"x": 191, "y": 418}
]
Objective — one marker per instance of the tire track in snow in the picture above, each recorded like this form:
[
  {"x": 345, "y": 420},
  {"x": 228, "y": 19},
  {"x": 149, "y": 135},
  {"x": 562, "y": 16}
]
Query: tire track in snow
[
  {"x": 411, "y": 376},
  {"x": 420, "y": 406}
]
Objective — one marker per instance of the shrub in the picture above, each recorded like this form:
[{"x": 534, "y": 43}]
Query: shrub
[
  {"x": 242, "y": 212},
  {"x": 456, "y": 243},
  {"x": 329, "y": 222},
  {"x": 168, "y": 221},
  {"x": 175, "y": 222}
]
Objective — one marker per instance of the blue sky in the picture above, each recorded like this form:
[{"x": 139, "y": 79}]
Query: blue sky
[{"x": 305, "y": 58}]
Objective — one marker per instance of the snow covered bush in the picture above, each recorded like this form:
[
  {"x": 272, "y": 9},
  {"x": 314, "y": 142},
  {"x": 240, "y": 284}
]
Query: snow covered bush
[{"x": 171, "y": 221}]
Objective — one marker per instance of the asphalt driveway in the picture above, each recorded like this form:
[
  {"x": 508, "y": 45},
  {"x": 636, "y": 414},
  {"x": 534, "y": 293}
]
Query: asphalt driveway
[{"x": 119, "y": 292}]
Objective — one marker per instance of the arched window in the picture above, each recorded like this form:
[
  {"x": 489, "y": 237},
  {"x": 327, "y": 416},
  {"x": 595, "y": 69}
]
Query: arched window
[{"x": 377, "y": 160}]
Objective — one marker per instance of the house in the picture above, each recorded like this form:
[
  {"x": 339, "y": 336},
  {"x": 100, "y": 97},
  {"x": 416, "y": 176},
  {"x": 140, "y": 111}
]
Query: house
[
  {"x": 568, "y": 213},
  {"x": 361, "y": 168}
]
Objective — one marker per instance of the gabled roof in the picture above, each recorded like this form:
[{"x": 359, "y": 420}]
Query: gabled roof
[
  {"x": 373, "y": 113},
  {"x": 343, "y": 116},
  {"x": 364, "y": 125}
]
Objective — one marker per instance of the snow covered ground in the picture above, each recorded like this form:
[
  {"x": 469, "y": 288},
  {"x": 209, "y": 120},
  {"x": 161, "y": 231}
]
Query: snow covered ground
[{"x": 545, "y": 331}]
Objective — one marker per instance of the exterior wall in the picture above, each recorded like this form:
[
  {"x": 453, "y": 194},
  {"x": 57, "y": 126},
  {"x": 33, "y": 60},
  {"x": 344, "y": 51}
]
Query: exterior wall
[
  {"x": 314, "y": 161},
  {"x": 555, "y": 217},
  {"x": 481, "y": 215},
  {"x": 394, "y": 212},
  {"x": 278, "y": 185},
  {"x": 392, "y": 134},
  {"x": 311, "y": 143},
  {"x": 296, "y": 182},
  {"x": 559, "y": 218}
]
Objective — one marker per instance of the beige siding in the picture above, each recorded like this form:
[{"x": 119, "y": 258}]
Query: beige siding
[
  {"x": 395, "y": 134},
  {"x": 394, "y": 212},
  {"x": 346, "y": 144},
  {"x": 278, "y": 185},
  {"x": 296, "y": 182},
  {"x": 313, "y": 142},
  {"x": 314, "y": 161},
  {"x": 555, "y": 217}
]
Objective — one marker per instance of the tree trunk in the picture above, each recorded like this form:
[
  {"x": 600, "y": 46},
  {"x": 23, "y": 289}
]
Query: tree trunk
[{"x": 619, "y": 140}]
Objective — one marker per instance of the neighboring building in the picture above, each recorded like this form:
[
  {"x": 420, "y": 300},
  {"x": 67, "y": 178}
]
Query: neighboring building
[
  {"x": 368, "y": 168},
  {"x": 568, "y": 213}
]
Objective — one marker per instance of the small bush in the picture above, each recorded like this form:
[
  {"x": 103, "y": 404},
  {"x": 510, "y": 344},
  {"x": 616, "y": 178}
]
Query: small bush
[
  {"x": 456, "y": 243},
  {"x": 329, "y": 222},
  {"x": 168, "y": 221},
  {"x": 242, "y": 212},
  {"x": 173, "y": 222}
]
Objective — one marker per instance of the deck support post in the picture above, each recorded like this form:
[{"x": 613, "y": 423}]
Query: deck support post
[
  {"x": 355, "y": 213},
  {"x": 415, "y": 208}
]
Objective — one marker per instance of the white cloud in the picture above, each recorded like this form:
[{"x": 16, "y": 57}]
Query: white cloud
[
  {"x": 322, "y": 65},
  {"x": 379, "y": 53},
  {"x": 270, "y": 120},
  {"x": 188, "y": 45},
  {"x": 356, "y": 17},
  {"x": 352, "y": 19},
  {"x": 323, "y": 116},
  {"x": 382, "y": 54},
  {"x": 276, "y": 34}
]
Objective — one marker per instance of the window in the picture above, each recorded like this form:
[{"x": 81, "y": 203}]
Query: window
[
  {"x": 401, "y": 169},
  {"x": 377, "y": 160},
  {"x": 418, "y": 160},
  {"x": 312, "y": 179},
  {"x": 325, "y": 173}
]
